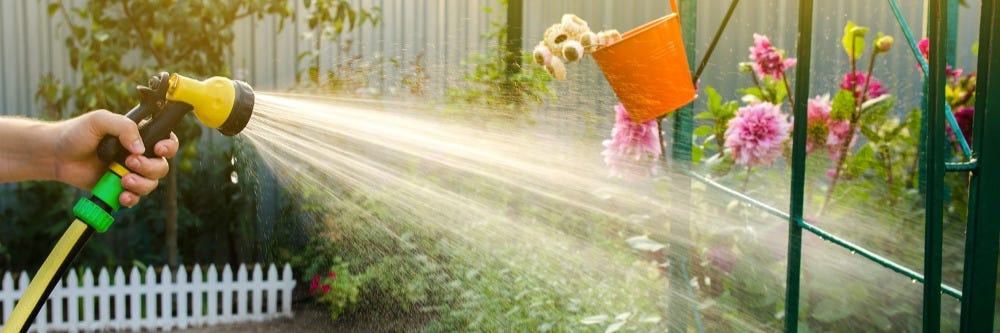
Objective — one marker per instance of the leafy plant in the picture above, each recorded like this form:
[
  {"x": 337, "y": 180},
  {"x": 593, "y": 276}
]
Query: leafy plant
[
  {"x": 329, "y": 19},
  {"x": 114, "y": 45},
  {"x": 492, "y": 83},
  {"x": 337, "y": 288}
]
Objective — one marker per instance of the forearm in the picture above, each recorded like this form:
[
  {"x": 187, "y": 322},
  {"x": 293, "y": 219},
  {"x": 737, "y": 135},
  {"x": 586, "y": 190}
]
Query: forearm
[{"x": 26, "y": 150}]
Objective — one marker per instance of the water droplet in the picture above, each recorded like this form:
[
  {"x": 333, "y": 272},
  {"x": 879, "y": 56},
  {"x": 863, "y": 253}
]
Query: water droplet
[
  {"x": 854, "y": 252},
  {"x": 913, "y": 280},
  {"x": 233, "y": 177}
]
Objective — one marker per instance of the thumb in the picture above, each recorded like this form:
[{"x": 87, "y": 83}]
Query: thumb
[{"x": 104, "y": 122}]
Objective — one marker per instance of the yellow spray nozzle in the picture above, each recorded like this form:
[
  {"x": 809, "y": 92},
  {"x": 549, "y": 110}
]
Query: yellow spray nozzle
[{"x": 218, "y": 102}]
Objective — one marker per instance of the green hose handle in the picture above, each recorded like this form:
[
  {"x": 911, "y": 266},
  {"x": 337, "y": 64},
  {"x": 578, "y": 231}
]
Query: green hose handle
[{"x": 96, "y": 209}]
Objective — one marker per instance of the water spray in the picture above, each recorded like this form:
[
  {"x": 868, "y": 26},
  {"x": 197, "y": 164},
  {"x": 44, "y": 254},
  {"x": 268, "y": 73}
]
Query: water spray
[{"x": 217, "y": 102}]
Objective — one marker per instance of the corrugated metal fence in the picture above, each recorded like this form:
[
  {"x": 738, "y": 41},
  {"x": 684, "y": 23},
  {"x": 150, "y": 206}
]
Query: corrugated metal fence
[{"x": 445, "y": 32}]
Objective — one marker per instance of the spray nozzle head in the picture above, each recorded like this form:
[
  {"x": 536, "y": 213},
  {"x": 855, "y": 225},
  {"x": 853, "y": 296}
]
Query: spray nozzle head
[{"x": 218, "y": 102}]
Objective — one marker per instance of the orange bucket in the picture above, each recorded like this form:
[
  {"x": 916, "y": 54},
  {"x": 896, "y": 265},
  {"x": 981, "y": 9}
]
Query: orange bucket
[{"x": 648, "y": 69}]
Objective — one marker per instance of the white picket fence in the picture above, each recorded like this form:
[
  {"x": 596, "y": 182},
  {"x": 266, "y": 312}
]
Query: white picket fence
[{"x": 154, "y": 302}]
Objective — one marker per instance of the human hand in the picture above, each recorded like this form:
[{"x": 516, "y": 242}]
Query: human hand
[{"x": 77, "y": 163}]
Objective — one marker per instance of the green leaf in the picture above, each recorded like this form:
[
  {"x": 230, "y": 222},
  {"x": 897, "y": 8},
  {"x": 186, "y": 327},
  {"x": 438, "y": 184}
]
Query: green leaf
[
  {"x": 714, "y": 99},
  {"x": 53, "y": 7},
  {"x": 614, "y": 327},
  {"x": 753, "y": 91},
  {"x": 854, "y": 40},
  {"x": 595, "y": 319},
  {"x": 728, "y": 110},
  {"x": 975, "y": 48},
  {"x": 874, "y": 111},
  {"x": 643, "y": 243},
  {"x": 703, "y": 130},
  {"x": 912, "y": 122},
  {"x": 697, "y": 153},
  {"x": 704, "y": 115},
  {"x": 843, "y": 105}
]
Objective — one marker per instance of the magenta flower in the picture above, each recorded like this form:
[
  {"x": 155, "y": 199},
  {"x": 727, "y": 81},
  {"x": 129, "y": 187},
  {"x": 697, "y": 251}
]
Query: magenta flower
[
  {"x": 756, "y": 134},
  {"x": 317, "y": 286},
  {"x": 925, "y": 49},
  {"x": 767, "y": 60},
  {"x": 964, "y": 119},
  {"x": 819, "y": 115},
  {"x": 857, "y": 80},
  {"x": 722, "y": 258},
  {"x": 838, "y": 131},
  {"x": 633, "y": 149},
  {"x": 314, "y": 285}
]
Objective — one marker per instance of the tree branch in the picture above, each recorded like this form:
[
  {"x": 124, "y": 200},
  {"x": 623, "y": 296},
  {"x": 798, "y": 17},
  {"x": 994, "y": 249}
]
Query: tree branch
[{"x": 161, "y": 61}]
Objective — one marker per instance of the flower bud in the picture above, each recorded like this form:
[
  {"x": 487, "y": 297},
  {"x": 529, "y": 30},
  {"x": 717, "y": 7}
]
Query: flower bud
[
  {"x": 554, "y": 37},
  {"x": 572, "y": 51},
  {"x": 612, "y": 36},
  {"x": 589, "y": 41},
  {"x": 542, "y": 54},
  {"x": 574, "y": 25},
  {"x": 884, "y": 44},
  {"x": 556, "y": 68}
]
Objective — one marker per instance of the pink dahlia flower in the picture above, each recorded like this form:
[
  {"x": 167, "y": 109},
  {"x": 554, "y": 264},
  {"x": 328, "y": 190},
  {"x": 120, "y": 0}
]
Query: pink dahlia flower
[
  {"x": 838, "y": 133},
  {"x": 756, "y": 134},
  {"x": 634, "y": 148},
  {"x": 925, "y": 49},
  {"x": 819, "y": 114},
  {"x": 767, "y": 61},
  {"x": 857, "y": 80}
]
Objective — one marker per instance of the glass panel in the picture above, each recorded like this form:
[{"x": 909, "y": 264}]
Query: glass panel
[{"x": 846, "y": 292}]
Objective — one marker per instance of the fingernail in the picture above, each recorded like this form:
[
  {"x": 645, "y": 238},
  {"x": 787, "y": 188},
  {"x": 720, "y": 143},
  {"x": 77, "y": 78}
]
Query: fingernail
[
  {"x": 132, "y": 162},
  {"x": 137, "y": 147},
  {"x": 128, "y": 181}
]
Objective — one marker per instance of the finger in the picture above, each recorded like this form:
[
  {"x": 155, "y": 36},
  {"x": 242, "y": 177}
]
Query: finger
[
  {"x": 128, "y": 199},
  {"x": 152, "y": 168},
  {"x": 167, "y": 147},
  {"x": 105, "y": 122},
  {"x": 138, "y": 184}
]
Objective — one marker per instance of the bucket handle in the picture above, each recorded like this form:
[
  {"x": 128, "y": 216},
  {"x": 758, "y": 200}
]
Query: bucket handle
[{"x": 673, "y": 8}]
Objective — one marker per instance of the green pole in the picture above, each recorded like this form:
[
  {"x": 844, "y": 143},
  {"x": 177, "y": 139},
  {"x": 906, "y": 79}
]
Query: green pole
[
  {"x": 800, "y": 109},
  {"x": 934, "y": 197},
  {"x": 952, "y": 41},
  {"x": 512, "y": 51},
  {"x": 983, "y": 234},
  {"x": 515, "y": 27},
  {"x": 681, "y": 154}
]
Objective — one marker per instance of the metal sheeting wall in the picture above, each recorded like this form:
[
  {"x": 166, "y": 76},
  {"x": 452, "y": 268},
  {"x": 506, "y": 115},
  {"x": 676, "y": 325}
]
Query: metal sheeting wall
[{"x": 446, "y": 32}]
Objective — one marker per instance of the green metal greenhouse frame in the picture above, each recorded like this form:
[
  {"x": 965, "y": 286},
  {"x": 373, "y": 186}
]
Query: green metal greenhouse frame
[{"x": 978, "y": 292}]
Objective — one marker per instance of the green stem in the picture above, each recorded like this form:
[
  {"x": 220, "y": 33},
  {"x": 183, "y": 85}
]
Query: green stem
[
  {"x": 854, "y": 67},
  {"x": 868, "y": 80},
  {"x": 753, "y": 76},
  {"x": 844, "y": 148},
  {"x": 788, "y": 89}
]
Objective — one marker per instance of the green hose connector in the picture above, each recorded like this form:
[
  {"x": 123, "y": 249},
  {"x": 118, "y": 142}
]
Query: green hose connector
[
  {"x": 98, "y": 214},
  {"x": 94, "y": 215}
]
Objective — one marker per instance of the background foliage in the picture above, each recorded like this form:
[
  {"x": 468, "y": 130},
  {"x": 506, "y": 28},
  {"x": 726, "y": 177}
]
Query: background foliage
[{"x": 115, "y": 45}]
